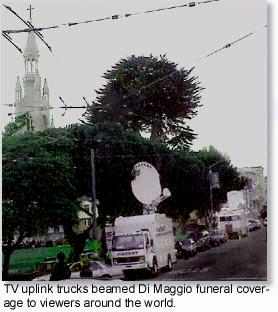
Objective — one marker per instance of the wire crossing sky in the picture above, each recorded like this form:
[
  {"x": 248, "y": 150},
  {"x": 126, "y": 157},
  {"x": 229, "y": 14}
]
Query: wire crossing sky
[
  {"x": 112, "y": 17},
  {"x": 225, "y": 40},
  {"x": 226, "y": 46}
]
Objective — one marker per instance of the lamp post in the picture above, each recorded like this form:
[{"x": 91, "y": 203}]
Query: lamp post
[
  {"x": 94, "y": 199},
  {"x": 211, "y": 186}
]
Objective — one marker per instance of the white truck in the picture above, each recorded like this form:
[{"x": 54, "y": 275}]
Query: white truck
[
  {"x": 232, "y": 218},
  {"x": 233, "y": 222},
  {"x": 143, "y": 242}
]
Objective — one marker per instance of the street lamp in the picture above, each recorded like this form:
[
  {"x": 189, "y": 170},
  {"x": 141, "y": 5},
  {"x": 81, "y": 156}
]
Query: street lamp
[{"x": 213, "y": 181}]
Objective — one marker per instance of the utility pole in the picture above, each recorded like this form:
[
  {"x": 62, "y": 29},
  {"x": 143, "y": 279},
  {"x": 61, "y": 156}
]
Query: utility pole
[
  {"x": 211, "y": 199},
  {"x": 94, "y": 199},
  {"x": 210, "y": 177}
]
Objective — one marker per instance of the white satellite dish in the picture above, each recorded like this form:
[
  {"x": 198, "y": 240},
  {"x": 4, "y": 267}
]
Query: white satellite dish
[{"x": 146, "y": 183}]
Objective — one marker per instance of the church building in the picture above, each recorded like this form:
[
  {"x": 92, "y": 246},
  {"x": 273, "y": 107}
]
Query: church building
[{"x": 32, "y": 101}]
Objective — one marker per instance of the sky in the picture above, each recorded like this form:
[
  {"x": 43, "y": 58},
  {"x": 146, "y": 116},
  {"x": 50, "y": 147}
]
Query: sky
[{"x": 233, "y": 116}]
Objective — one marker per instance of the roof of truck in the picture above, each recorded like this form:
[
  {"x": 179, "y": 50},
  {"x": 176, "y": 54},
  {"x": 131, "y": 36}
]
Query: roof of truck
[{"x": 140, "y": 222}]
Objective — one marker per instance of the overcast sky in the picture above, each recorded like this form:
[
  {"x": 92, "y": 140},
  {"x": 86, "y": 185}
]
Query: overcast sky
[{"x": 234, "y": 113}]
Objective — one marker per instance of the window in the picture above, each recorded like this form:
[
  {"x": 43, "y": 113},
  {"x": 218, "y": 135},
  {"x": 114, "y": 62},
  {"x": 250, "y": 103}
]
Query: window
[
  {"x": 128, "y": 242},
  {"x": 227, "y": 218},
  {"x": 56, "y": 228}
]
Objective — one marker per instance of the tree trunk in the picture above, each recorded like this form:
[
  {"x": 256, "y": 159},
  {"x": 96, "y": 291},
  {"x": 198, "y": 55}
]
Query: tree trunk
[
  {"x": 78, "y": 245},
  {"x": 77, "y": 241},
  {"x": 156, "y": 132}
]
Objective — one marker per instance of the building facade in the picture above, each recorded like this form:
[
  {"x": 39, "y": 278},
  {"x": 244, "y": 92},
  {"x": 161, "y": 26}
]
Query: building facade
[{"x": 256, "y": 187}]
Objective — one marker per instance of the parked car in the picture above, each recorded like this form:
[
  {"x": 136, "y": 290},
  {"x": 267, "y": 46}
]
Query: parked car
[
  {"x": 203, "y": 242},
  {"x": 186, "y": 248},
  {"x": 217, "y": 237},
  {"x": 99, "y": 271},
  {"x": 91, "y": 255},
  {"x": 45, "y": 267},
  {"x": 253, "y": 225},
  {"x": 265, "y": 222}
]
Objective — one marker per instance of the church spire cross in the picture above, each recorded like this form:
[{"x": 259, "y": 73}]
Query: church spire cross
[{"x": 30, "y": 8}]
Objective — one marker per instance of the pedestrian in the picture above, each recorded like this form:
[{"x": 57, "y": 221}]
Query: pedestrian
[{"x": 60, "y": 271}]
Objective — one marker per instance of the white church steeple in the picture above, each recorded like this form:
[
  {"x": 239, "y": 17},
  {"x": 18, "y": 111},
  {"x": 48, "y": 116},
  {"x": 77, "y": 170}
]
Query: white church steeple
[
  {"x": 35, "y": 101},
  {"x": 31, "y": 55}
]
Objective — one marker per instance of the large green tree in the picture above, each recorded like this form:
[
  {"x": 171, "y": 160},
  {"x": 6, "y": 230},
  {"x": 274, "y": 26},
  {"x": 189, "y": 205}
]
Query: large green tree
[
  {"x": 229, "y": 178},
  {"x": 38, "y": 186},
  {"x": 44, "y": 174},
  {"x": 150, "y": 94},
  {"x": 185, "y": 173}
]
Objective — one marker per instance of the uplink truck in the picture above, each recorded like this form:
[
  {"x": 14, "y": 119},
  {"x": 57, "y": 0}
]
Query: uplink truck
[
  {"x": 143, "y": 242},
  {"x": 233, "y": 217},
  {"x": 233, "y": 222}
]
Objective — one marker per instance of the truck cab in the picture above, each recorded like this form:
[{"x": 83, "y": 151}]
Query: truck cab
[
  {"x": 132, "y": 250},
  {"x": 143, "y": 243}
]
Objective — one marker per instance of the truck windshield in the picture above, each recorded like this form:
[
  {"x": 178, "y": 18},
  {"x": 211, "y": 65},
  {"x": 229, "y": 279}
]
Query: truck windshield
[
  {"x": 230, "y": 218},
  {"x": 128, "y": 242}
]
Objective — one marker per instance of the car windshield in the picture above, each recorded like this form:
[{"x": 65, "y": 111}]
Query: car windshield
[
  {"x": 230, "y": 218},
  {"x": 128, "y": 242}
]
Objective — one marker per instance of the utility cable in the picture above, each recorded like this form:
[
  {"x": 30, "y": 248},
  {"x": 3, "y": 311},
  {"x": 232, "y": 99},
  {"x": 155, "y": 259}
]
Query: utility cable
[
  {"x": 213, "y": 52},
  {"x": 112, "y": 17}
]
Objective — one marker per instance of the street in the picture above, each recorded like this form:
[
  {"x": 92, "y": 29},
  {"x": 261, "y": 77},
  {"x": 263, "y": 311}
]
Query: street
[{"x": 244, "y": 259}]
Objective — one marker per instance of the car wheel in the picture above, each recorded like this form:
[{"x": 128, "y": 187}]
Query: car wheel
[
  {"x": 154, "y": 268},
  {"x": 128, "y": 275}
]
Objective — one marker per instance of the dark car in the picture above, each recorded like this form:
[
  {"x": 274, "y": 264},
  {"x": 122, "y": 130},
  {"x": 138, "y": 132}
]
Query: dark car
[
  {"x": 265, "y": 222},
  {"x": 203, "y": 242},
  {"x": 217, "y": 237},
  {"x": 45, "y": 267},
  {"x": 253, "y": 225},
  {"x": 186, "y": 248}
]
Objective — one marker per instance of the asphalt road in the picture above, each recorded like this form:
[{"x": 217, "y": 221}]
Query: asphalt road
[{"x": 236, "y": 260}]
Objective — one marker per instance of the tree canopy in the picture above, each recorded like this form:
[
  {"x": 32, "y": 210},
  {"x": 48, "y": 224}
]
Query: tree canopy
[
  {"x": 185, "y": 173},
  {"x": 38, "y": 189},
  {"x": 149, "y": 94},
  {"x": 34, "y": 166},
  {"x": 44, "y": 174}
]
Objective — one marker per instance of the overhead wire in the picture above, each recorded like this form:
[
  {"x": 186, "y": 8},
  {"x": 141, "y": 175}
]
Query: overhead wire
[
  {"x": 213, "y": 52},
  {"x": 37, "y": 30},
  {"x": 30, "y": 27},
  {"x": 115, "y": 17},
  {"x": 226, "y": 46},
  {"x": 7, "y": 37},
  {"x": 111, "y": 17}
]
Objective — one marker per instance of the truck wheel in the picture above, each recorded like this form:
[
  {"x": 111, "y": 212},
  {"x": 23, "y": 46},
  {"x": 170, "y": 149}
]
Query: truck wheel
[
  {"x": 169, "y": 264},
  {"x": 155, "y": 268}
]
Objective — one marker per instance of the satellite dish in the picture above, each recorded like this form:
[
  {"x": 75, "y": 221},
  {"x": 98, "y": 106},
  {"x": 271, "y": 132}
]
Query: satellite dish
[{"x": 146, "y": 183}]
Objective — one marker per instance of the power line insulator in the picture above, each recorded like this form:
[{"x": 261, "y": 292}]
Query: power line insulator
[{"x": 191, "y": 4}]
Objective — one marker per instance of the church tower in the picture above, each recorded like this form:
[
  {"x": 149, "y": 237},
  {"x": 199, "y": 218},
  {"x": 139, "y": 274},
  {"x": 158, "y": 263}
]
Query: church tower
[{"x": 34, "y": 101}]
